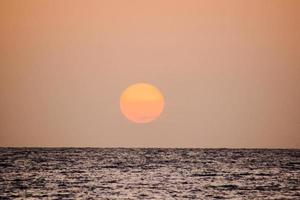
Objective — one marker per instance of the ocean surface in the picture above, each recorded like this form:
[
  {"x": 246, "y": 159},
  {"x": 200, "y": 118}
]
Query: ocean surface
[{"x": 120, "y": 173}]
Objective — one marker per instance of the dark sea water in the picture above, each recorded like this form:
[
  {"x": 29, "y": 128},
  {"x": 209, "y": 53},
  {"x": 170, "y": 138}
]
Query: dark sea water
[{"x": 92, "y": 173}]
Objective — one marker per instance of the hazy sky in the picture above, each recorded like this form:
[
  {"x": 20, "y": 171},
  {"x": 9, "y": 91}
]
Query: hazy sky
[{"x": 229, "y": 72}]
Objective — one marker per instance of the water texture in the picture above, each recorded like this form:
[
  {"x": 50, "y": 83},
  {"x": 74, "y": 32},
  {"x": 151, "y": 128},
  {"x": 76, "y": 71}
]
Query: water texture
[{"x": 119, "y": 173}]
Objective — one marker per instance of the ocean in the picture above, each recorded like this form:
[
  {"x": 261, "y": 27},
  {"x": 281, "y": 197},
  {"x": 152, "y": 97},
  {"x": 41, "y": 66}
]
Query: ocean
[{"x": 149, "y": 173}]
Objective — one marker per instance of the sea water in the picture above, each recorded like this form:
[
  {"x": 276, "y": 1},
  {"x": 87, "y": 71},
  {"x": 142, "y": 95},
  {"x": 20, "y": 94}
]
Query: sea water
[{"x": 150, "y": 173}]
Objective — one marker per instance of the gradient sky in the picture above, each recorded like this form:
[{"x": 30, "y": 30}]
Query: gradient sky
[{"x": 229, "y": 72}]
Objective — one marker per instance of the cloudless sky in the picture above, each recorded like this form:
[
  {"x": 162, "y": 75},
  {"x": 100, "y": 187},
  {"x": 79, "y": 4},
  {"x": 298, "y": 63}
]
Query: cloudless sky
[{"x": 229, "y": 72}]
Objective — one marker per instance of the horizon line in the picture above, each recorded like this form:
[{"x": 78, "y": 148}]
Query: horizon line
[{"x": 120, "y": 147}]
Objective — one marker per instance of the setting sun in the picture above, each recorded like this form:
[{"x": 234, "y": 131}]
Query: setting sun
[{"x": 141, "y": 103}]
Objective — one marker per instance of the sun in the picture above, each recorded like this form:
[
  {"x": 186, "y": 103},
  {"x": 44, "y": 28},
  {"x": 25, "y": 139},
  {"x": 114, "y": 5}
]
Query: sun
[{"x": 141, "y": 103}]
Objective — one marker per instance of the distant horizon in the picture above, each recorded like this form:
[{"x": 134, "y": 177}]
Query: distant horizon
[{"x": 86, "y": 147}]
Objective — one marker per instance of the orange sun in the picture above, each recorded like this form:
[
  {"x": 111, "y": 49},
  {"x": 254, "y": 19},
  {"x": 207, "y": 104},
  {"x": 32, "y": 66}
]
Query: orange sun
[{"x": 141, "y": 103}]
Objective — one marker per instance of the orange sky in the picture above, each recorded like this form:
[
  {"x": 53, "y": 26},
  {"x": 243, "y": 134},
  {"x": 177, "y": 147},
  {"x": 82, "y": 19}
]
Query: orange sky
[{"x": 229, "y": 72}]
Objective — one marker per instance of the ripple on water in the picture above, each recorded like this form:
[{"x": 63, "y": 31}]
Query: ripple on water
[{"x": 68, "y": 173}]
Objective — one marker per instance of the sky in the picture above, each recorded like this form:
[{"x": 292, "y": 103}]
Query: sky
[{"x": 229, "y": 72}]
